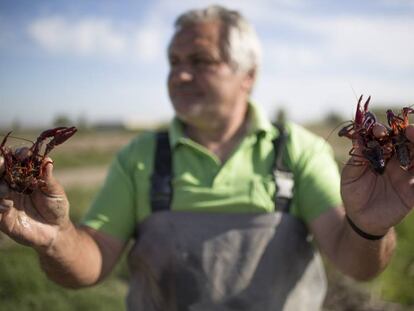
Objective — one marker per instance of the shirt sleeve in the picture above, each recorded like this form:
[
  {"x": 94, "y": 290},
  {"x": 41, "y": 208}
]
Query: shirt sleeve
[
  {"x": 113, "y": 210},
  {"x": 318, "y": 181}
]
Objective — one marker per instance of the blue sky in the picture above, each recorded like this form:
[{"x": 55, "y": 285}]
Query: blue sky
[{"x": 105, "y": 60}]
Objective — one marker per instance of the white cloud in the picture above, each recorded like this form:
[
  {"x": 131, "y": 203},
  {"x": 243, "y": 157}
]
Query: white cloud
[
  {"x": 396, "y": 3},
  {"x": 85, "y": 37},
  {"x": 148, "y": 44},
  {"x": 385, "y": 43},
  {"x": 291, "y": 57},
  {"x": 97, "y": 37},
  {"x": 378, "y": 42}
]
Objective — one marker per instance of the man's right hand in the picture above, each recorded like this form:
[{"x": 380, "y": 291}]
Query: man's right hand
[
  {"x": 71, "y": 256},
  {"x": 37, "y": 219}
]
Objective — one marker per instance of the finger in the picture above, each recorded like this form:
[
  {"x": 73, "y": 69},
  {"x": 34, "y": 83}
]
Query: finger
[
  {"x": 50, "y": 199},
  {"x": 356, "y": 153},
  {"x": 5, "y": 205},
  {"x": 14, "y": 223},
  {"x": 409, "y": 132},
  {"x": 353, "y": 171},
  {"x": 357, "y": 164},
  {"x": 51, "y": 186},
  {"x": 4, "y": 190}
]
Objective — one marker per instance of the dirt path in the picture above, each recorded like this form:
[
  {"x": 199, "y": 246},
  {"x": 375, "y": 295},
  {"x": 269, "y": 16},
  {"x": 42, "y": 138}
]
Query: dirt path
[{"x": 82, "y": 177}]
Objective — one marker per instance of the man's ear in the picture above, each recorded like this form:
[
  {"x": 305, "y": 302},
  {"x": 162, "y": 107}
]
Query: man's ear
[{"x": 250, "y": 78}]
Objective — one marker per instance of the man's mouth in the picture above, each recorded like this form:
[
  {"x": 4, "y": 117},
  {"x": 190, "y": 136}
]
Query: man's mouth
[{"x": 185, "y": 93}]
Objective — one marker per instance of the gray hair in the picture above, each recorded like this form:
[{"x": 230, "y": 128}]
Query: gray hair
[{"x": 242, "y": 47}]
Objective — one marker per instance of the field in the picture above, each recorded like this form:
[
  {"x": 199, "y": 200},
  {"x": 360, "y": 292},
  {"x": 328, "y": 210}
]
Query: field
[{"x": 81, "y": 163}]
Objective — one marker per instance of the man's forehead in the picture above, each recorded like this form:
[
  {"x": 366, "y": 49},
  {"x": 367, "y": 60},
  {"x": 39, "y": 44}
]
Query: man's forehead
[{"x": 201, "y": 34}]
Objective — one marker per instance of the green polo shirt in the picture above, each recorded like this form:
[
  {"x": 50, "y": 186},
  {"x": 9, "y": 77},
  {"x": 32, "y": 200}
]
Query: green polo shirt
[{"x": 202, "y": 183}]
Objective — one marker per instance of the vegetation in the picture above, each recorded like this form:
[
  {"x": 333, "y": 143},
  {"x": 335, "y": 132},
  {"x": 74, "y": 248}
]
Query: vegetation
[
  {"x": 83, "y": 158},
  {"x": 23, "y": 285},
  {"x": 397, "y": 281}
]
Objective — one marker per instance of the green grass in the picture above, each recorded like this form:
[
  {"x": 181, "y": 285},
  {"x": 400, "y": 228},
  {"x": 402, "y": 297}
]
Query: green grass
[
  {"x": 80, "y": 198},
  {"x": 24, "y": 286},
  {"x": 83, "y": 158},
  {"x": 396, "y": 283}
]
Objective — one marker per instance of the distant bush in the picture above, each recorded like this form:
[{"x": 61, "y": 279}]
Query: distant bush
[{"x": 333, "y": 119}]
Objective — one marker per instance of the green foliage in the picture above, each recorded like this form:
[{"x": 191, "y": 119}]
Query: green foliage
[
  {"x": 62, "y": 120},
  {"x": 333, "y": 119}
]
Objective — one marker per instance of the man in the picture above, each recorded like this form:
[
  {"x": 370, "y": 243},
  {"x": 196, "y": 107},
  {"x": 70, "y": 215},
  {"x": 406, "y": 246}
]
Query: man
[{"x": 219, "y": 244}]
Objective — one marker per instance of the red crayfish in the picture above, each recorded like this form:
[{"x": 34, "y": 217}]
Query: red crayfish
[
  {"x": 361, "y": 131},
  {"x": 397, "y": 124},
  {"x": 23, "y": 170}
]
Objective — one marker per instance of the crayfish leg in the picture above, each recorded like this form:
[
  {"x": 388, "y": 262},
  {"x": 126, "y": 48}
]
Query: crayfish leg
[
  {"x": 3, "y": 143},
  {"x": 357, "y": 159}
]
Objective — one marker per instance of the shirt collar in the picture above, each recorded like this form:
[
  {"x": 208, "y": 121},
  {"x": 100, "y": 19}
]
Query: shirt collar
[{"x": 259, "y": 124}]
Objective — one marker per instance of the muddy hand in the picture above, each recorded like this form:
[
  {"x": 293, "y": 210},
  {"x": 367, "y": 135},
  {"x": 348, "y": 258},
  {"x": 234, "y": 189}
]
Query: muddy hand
[
  {"x": 376, "y": 202},
  {"x": 35, "y": 219}
]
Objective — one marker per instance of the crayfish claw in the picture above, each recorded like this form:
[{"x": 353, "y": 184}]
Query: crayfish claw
[
  {"x": 367, "y": 103},
  {"x": 61, "y": 134}
]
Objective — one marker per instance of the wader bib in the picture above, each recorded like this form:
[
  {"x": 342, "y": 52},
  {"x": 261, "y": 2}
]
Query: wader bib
[{"x": 212, "y": 261}]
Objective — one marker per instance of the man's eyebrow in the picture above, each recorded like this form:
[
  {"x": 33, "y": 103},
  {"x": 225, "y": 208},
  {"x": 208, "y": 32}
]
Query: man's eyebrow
[{"x": 195, "y": 53}]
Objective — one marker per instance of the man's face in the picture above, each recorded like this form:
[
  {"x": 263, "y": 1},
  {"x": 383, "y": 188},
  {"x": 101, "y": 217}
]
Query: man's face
[{"x": 202, "y": 85}]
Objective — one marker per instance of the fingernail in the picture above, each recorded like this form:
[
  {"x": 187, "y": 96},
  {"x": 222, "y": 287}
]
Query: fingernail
[
  {"x": 4, "y": 189},
  {"x": 1, "y": 165},
  {"x": 4, "y": 208}
]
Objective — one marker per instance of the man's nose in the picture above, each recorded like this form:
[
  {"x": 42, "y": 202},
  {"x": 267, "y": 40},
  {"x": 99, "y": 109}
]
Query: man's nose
[{"x": 182, "y": 73}]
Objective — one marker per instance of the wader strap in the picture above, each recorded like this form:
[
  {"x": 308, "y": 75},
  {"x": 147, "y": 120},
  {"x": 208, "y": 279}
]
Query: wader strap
[
  {"x": 161, "y": 188},
  {"x": 282, "y": 175}
]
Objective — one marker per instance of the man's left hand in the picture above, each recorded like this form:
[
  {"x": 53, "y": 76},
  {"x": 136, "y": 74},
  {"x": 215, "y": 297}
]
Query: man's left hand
[{"x": 377, "y": 202}]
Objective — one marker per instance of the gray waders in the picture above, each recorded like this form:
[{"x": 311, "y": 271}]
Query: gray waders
[{"x": 197, "y": 261}]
